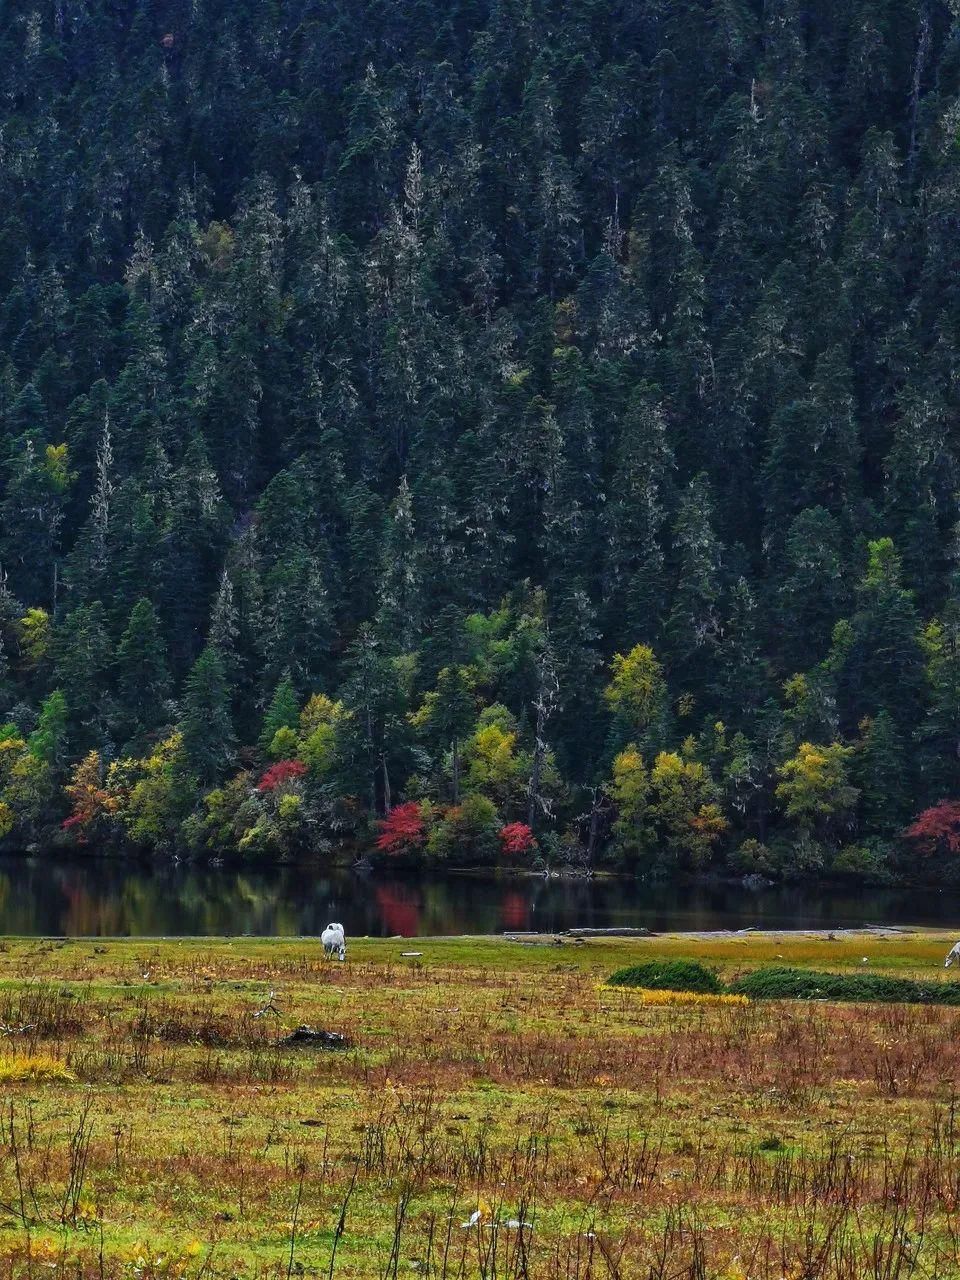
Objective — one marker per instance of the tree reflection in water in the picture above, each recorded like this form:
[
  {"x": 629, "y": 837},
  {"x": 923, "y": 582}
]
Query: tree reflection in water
[
  {"x": 399, "y": 909},
  {"x": 100, "y": 896}
]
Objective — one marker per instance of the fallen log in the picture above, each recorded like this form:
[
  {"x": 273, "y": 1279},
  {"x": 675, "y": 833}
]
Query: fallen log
[{"x": 623, "y": 932}]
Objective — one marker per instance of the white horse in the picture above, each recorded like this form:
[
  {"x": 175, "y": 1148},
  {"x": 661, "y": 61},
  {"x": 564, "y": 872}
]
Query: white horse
[
  {"x": 334, "y": 941},
  {"x": 952, "y": 954}
]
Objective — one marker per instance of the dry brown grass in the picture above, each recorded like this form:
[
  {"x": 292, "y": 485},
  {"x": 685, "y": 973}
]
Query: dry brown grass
[{"x": 694, "y": 1141}]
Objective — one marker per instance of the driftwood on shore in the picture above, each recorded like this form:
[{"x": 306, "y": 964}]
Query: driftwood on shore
[{"x": 624, "y": 932}]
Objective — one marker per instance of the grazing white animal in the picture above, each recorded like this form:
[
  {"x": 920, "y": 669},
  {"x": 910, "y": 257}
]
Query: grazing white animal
[
  {"x": 334, "y": 941},
  {"x": 952, "y": 954}
]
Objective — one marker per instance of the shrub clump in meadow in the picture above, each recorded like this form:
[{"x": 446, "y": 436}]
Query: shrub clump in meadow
[
  {"x": 16, "y": 1068},
  {"x": 699, "y": 998},
  {"x": 669, "y": 975},
  {"x": 781, "y": 983}
]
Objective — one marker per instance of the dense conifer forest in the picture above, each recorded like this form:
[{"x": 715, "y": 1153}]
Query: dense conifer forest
[{"x": 518, "y": 431}]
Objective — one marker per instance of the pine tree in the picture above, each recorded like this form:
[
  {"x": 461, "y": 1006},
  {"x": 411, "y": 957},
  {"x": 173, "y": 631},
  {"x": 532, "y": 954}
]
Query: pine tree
[
  {"x": 191, "y": 551},
  {"x": 375, "y": 734},
  {"x": 812, "y": 596},
  {"x": 884, "y": 776},
  {"x": 743, "y": 684},
  {"x": 814, "y": 452},
  {"x": 48, "y": 742},
  {"x": 82, "y": 658},
  {"x": 400, "y": 614},
  {"x": 31, "y": 517},
  {"x": 143, "y": 674},
  {"x": 641, "y": 493},
  {"x": 205, "y": 721},
  {"x": 940, "y": 727},
  {"x": 692, "y": 629},
  {"x": 224, "y": 627},
  {"x": 448, "y": 713},
  {"x": 877, "y": 657},
  {"x": 282, "y": 713}
]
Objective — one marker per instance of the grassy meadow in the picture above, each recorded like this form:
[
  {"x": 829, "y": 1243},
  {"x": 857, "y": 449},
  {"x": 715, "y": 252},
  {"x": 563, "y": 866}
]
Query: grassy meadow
[{"x": 152, "y": 1125}]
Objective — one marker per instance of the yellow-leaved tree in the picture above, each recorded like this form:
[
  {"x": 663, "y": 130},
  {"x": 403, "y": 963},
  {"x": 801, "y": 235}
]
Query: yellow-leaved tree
[
  {"x": 670, "y": 812},
  {"x": 685, "y": 807},
  {"x": 320, "y": 722},
  {"x": 630, "y": 791},
  {"x": 493, "y": 764},
  {"x": 637, "y": 690},
  {"x": 814, "y": 788}
]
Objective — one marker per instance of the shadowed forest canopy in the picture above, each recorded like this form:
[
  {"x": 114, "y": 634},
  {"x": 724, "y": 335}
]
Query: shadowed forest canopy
[{"x": 538, "y": 420}]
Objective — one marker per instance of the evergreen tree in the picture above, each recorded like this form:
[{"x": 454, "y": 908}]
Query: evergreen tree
[
  {"x": 205, "y": 718},
  {"x": 884, "y": 776},
  {"x": 641, "y": 494},
  {"x": 48, "y": 742},
  {"x": 376, "y": 732},
  {"x": 692, "y": 630},
  {"x": 743, "y": 684},
  {"x": 876, "y": 656},
  {"x": 282, "y": 713},
  {"x": 82, "y": 657},
  {"x": 812, "y": 596},
  {"x": 400, "y": 613},
  {"x": 448, "y": 713},
  {"x": 143, "y": 675},
  {"x": 940, "y": 727}
]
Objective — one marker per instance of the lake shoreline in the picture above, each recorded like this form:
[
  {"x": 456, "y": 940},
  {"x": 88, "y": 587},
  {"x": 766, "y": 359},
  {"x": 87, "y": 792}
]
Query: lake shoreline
[{"x": 518, "y": 938}]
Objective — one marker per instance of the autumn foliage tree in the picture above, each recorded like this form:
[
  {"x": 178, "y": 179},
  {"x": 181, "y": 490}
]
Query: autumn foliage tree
[
  {"x": 637, "y": 690},
  {"x": 402, "y": 831},
  {"x": 937, "y": 829},
  {"x": 814, "y": 787},
  {"x": 281, "y": 774},
  {"x": 516, "y": 839},
  {"x": 91, "y": 801}
]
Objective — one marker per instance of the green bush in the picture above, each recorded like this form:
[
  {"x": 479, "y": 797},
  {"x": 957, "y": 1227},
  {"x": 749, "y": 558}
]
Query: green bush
[
  {"x": 773, "y": 1143},
  {"x": 860, "y": 988},
  {"x": 669, "y": 975},
  {"x": 871, "y": 861},
  {"x": 752, "y": 859},
  {"x": 468, "y": 833}
]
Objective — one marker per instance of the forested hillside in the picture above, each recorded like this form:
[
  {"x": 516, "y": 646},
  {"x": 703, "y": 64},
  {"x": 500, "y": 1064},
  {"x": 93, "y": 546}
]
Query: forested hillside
[{"x": 536, "y": 422}]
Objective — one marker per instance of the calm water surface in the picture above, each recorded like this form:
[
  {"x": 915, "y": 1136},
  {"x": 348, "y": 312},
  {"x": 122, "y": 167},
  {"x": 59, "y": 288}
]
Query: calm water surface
[{"x": 103, "y": 897}]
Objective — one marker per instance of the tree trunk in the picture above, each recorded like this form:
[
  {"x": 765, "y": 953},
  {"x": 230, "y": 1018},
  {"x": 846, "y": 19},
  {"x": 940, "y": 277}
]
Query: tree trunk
[
  {"x": 373, "y": 767},
  {"x": 533, "y": 788},
  {"x": 455, "y": 749},
  {"x": 546, "y": 700},
  {"x": 919, "y": 65},
  {"x": 594, "y": 828},
  {"x": 387, "y": 799}
]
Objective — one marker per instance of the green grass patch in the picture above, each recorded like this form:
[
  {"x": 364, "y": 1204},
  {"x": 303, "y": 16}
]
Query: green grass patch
[
  {"x": 669, "y": 975},
  {"x": 782, "y": 983}
]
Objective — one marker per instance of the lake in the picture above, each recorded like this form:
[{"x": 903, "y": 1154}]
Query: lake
[{"x": 97, "y": 897}]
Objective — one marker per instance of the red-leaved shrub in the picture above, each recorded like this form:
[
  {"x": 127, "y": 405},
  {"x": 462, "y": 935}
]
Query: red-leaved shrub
[
  {"x": 402, "y": 830},
  {"x": 936, "y": 828},
  {"x": 516, "y": 838},
  {"x": 279, "y": 774}
]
